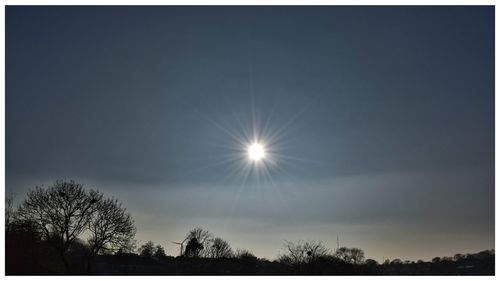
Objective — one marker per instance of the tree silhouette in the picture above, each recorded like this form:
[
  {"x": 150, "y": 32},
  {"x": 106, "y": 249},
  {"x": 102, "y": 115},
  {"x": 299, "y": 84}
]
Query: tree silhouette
[
  {"x": 357, "y": 255},
  {"x": 244, "y": 254},
  {"x": 203, "y": 237},
  {"x": 220, "y": 249},
  {"x": 302, "y": 252},
  {"x": 350, "y": 255},
  {"x": 61, "y": 213},
  {"x": 159, "y": 252},
  {"x": 147, "y": 249},
  {"x": 111, "y": 227},
  {"x": 396, "y": 261},
  {"x": 193, "y": 248},
  {"x": 457, "y": 257},
  {"x": 371, "y": 263},
  {"x": 9, "y": 210}
]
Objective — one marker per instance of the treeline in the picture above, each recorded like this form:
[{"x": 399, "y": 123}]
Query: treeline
[{"x": 66, "y": 229}]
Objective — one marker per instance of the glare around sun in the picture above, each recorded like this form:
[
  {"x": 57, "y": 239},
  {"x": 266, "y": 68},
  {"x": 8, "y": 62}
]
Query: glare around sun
[{"x": 256, "y": 151}]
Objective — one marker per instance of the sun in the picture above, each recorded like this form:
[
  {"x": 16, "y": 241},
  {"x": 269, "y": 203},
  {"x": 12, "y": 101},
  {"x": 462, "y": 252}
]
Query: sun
[{"x": 256, "y": 151}]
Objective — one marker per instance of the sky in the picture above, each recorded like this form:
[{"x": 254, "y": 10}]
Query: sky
[{"x": 377, "y": 122}]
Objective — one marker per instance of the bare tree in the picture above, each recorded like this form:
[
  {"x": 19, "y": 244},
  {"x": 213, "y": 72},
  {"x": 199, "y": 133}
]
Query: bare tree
[
  {"x": 220, "y": 249},
  {"x": 302, "y": 252},
  {"x": 61, "y": 213},
  {"x": 111, "y": 227},
  {"x": 203, "y": 239},
  {"x": 9, "y": 210}
]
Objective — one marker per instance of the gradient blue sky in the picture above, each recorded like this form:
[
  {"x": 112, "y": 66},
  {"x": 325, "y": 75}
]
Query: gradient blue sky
[{"x": 379, "y": 121}]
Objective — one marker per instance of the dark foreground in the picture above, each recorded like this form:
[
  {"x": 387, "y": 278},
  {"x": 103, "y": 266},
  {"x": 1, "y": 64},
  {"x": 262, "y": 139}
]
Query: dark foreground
[{"x": 482, "y": 263}]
